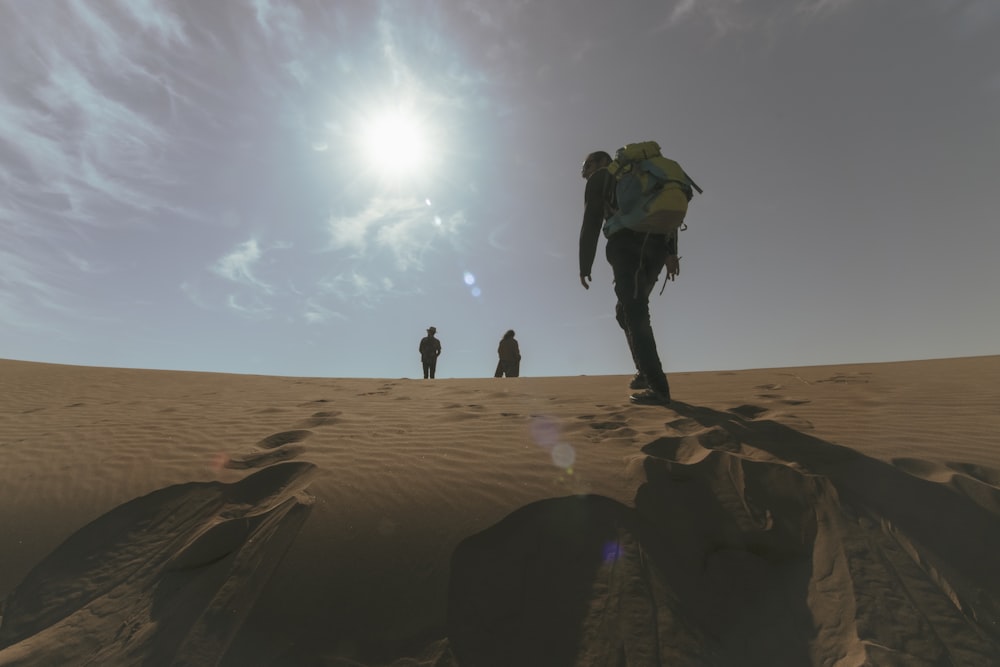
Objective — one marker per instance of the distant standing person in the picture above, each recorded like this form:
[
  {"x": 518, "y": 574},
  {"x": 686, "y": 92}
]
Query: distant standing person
[
  {"x": 430, "y": 350},
  {"x": 510, "y": 356}
]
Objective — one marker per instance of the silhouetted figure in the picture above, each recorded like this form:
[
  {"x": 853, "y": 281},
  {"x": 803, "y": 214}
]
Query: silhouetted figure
[
  {"x": 636, "y": 259},
  {"x": 510, "y": 356},
  {"x": 430, "y": 350}
]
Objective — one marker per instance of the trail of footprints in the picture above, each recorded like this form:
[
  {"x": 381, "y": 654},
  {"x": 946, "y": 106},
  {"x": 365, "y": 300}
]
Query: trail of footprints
[
  {"x": 283, "y": 445},
  {"x": 280, "y": 446},
  {"x": 719, "y": 437}
]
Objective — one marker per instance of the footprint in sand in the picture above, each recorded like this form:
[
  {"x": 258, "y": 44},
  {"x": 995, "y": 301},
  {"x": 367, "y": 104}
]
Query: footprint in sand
[
  {"x": 853, "y": 378},
  {"x": 748, "y": 411},
  {"x": 990, "y": 476},
  {"x": 795, "y": 401},
  {"x": 719, "y": 439},
  {"x": 320, "y": 419},
  {"x": 277, "y": 447},
  {"x": 752, "y": 412},
  {"x": 608, "y": 425},
  {"x": 283, "y": 438},
  {"x": 793, "y": 421},
  {"x": 684, "y": 425},
  {"x": 307, "y": 404},
  {"x": 381, "y": 391},
  {"x": 944, "y": 472},
  {"x": 787, "y": 401}
]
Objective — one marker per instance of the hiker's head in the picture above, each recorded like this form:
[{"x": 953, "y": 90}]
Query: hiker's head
[
  {"x": 431, "y": 330},
  {"x": 509, "y": 334},
  {"x": 594, "y": 161}
]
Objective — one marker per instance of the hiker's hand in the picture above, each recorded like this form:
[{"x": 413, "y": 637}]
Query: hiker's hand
[
  {"x": 585, "y": 280},
  {"x": 673, "y": 267}
]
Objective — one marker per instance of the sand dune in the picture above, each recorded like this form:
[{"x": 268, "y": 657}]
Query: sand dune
[{"x": 844, "y": 515}]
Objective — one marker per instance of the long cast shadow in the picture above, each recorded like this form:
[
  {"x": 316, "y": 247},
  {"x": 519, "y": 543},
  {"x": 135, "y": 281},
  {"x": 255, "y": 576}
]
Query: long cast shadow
[
  {"x": 930, "y": 513},
  {"x": 916, "y": 550},
  {"x": 568, "y": 581},
  {"x": 750, "y": 543}
]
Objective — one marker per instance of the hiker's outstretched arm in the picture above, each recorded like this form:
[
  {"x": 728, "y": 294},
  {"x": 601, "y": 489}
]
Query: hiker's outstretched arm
[{"x": 593, "y": 218}]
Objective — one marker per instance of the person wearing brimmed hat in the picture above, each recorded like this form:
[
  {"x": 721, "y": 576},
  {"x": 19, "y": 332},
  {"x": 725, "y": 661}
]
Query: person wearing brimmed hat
[{"x": 430, "y": 350}]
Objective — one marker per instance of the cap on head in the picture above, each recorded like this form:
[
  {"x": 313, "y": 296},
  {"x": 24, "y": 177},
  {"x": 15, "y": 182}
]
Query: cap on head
[{"x": 431, "y": 329}]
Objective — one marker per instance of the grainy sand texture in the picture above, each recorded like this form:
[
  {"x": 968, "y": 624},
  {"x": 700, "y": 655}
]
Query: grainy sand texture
[{"x": 830, "y": 516}]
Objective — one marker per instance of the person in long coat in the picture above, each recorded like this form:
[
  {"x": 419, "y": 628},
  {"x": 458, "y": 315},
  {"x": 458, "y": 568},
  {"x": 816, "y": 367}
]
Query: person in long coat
[{"x": 510, "y": 356}]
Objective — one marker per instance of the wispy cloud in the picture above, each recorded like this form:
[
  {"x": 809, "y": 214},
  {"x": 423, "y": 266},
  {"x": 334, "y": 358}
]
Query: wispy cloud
[
  {"x": 736, "y": 15},
  {"x": 154, "y": 18},
  {"x": 317, "y": 313},
  {"x": 24, "y": 293},
  {"x": 495, "y": 14},
  {"x": 357, "y": 288},
  {"x": 279, "y": 19},
  {"x": 84, "y": 265},
  {"x": 405, "y": 227},
  {"x": 255, "y": 309},
  {"x": 238, "y": 266},
  {"x": 85, "y": 104},
  {"x": 18, "y": 272},
  {"x": 194, "y": 294}
]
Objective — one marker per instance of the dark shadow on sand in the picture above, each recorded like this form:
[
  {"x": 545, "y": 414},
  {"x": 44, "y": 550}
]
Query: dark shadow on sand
[
  {"x": 928, "y": 513},
  {"x": 717, "y": 563}
]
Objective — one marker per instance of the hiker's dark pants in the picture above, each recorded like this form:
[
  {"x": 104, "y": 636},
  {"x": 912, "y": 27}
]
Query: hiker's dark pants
[
  {"x": 509, "y": 367},
  {"x": 636, "y": 260},
  {"x": 429, "y": 366}
]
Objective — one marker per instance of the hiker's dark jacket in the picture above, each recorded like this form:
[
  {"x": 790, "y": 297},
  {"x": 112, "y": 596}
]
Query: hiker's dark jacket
[
  {"x": 597, "y": 205},
  {"x": 509, "y": 350},
  {"x": 430, "y": 348}
]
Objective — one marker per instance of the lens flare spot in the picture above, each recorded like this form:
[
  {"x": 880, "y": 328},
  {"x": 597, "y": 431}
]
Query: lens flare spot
[
  {"x": 563, "y": 455},
  {"x": 476, "y": 292},
  {"x": 612, "y": 550},
  {"x": 545, "y": 432},
  {"x": 219, "y": 461},
  {"x": 469, "y": 278}
]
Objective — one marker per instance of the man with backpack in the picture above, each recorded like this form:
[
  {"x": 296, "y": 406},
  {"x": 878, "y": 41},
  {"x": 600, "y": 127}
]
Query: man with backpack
[{"x": 638, "y": 173}]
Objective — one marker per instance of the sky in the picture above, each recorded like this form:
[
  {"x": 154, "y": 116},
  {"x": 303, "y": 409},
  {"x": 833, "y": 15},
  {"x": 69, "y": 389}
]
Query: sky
[{"x": 301, "y": 188}]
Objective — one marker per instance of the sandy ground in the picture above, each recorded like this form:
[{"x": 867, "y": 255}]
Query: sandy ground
[{"x": 839, "y": 515}]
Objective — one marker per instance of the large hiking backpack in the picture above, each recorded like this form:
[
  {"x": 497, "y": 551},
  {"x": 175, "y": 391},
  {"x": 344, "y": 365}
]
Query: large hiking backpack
[{"x": 651, "y": 192}]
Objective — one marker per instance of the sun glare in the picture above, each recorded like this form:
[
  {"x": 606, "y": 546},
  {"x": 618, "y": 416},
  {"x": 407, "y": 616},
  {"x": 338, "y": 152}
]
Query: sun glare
[{"x": 394, "y": 143}]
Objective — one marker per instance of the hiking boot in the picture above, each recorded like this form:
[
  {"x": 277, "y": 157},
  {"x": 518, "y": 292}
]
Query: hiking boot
[
  {"x": 650, "y": 397},
  {"x": 638, "y": 382}
]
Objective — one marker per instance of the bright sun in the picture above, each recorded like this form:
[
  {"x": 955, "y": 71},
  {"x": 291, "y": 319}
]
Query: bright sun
[{"x": 394, "y": 143}]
